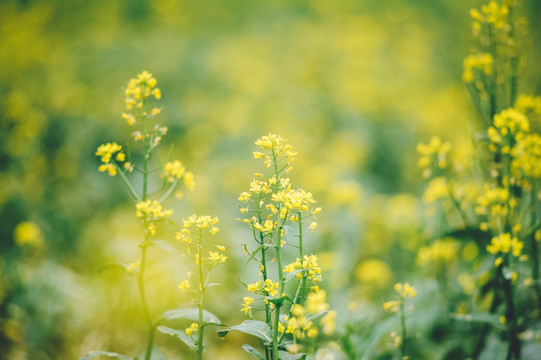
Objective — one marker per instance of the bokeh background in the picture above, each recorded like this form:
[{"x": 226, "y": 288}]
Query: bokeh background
[{"x": 353, "y": 85}]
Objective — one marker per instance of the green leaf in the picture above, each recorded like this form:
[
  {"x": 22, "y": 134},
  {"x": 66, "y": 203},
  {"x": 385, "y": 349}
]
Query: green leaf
[
  {"x": 214, "y": 284},
  {"x": 190, "y": 314},
  {"x": 279, "y": 301},
  {"x": 293, "y": 274},
  {"x": 181, "y": 334},
  {"x": 155, "y": 354},
  {"x": 284, "y": 355},
  {"x": 381, "y": 329},
  {"x": 113, "y": 266},
  {"x": 250, "y": 350},
  {"x": 253, "y": 327},
  {"x": 94, "y": 354},
  {"x": 163, "y": 244},
  {"x": 491, "y": 319}
]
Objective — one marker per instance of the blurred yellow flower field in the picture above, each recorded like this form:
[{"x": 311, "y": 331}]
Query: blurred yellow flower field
[{"x": 270, "y": 180}]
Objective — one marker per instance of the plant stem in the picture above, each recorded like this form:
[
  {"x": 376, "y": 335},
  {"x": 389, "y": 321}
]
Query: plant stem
[
  {"x": 202, "y": 294},
  {"x": 301, "y": 253},
  {"x": 128, "y": 184},
  {"x": 534, "y": 247},
  {"x": 268, "y": 350},
  {"x": 280, "y": 292},
  {"x": 514, "y": 62},
  {"x": 494, "y": 86},
  {"x": 141, "y": 283},
  {"x": 141, "y": 279},
  {"x": 146, "y": 156},
  {"x": 513, "y": 349},
  {"x": 403, "y": 325}
]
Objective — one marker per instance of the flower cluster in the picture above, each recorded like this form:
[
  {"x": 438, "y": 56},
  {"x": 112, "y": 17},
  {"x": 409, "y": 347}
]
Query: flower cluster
[
  {"x": 141, "y": 88},
  {"x": 106, "y": 152},
  {"x": 265, "y": 288},
  {"x": 440, "y": 252},
  {"x": 150, "y": 211},
  {"x": 201, "y": 226},
  {"x": 303, "y": 321},
  {"x": 494, "y": 201},
  {"x": 480, "y": 63},
  {"x": 405, "y": 292},
  {"x": 526, "y": 163},
  {"x": 505, "y": 243},
  {"x": 307, "y": 267},
  {"x": 278, "y": 148},
  {"x": 509, "y": 126},
  {"x": 193, "y": 328},
  {"x": 434, "y": 156},
  {"x": 493, "y": 14},
  {"x": 528, "y": 104}
]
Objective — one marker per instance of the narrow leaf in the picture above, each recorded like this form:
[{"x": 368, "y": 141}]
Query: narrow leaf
[
  {"x": 181, "y": 334},
  {"x": 250, "y": 350},
  {"x": 254, "y": 253}
]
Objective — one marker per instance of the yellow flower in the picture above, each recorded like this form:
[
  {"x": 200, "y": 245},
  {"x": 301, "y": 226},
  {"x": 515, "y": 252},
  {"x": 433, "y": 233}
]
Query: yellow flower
[
  {"x": 271, "y": 287},
  {"x": 391, "y": 306},
  {"x": 174, "y": 170},
  {"x": 189, "y": 180},
  {"x": 184, "y": 285},
  {"x": 317, "y": 302},
  {"x": 215, "y": 258},
  {"x": 505, "y": 243},
  {"x": 247, "y": 301},
  {"x": 139, "y": 89},
  {"x": 481, "y": 62},
  {"x": 434, "y": 155},
  {"x": 133, "y": 267},
  {"x": 130, "y": 119},
  {"x": 151, "y": 210},
  {"x": 255, "y": 287},
  {"x": 192, "y": 329},
  {"x": 28, "y": 233},
  {"x": 442, "y": 252},
  {"x": 328, "y": 322},
  {"x": 106, "y": 151}
]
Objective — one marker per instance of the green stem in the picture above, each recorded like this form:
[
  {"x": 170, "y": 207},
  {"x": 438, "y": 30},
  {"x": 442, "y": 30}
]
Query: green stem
[
  {"x": 513, "y": 349},
  {"x": 301, "y": 254},
  {"x": 268, "y": 350},
  {"x": 128, "y": 184},
  {"x": 456, "y": 203},
  {"x": 403, "y": 325},
  {"x": 141, "y": 283},
  {"x": 202, "y": 292},
  {"x": 493, "y": 85},
  {"x": 141, "y": 279},
  {"x": 146, "y": 156},
  {"x": 514, "y": 61},
  {"x": 280, "y": 291}
]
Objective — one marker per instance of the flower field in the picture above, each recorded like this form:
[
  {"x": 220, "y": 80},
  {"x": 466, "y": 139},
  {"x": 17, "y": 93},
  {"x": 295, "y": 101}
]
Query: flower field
[{"x": 346, "y": 180}]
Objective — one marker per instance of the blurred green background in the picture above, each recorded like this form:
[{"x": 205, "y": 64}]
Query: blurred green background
[{"x": 353, "y": 85}]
